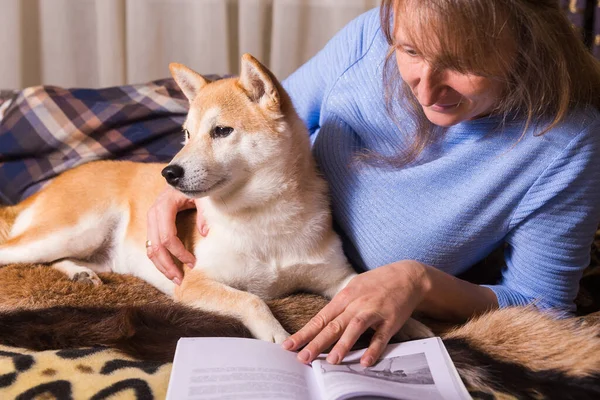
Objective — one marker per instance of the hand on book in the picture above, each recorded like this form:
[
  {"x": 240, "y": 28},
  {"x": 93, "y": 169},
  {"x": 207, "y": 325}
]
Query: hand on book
[{"x": 382, "y": 299}]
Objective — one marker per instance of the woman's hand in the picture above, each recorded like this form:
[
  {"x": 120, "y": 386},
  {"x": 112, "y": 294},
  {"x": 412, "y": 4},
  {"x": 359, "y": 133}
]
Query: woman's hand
[
  {"x": 383, "y": 299},
  {"x": 162, "y": 232}
]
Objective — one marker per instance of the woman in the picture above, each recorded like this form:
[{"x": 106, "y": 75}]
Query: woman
[{"x": 445, "y": 129}]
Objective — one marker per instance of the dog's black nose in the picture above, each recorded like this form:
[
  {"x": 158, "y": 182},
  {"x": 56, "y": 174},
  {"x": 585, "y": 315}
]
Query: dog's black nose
[{"x": 172, "y": 173}]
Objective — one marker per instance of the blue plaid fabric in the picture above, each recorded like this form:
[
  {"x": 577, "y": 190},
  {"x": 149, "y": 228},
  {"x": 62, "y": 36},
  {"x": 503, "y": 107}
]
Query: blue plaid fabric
[{"x": 46, "y": 130}]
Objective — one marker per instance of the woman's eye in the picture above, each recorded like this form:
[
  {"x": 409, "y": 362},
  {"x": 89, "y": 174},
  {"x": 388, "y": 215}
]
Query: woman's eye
[
  {"x": 187, "y": 133},
  {"x": 410, "y": 52},
  {"x": 221, "y": 131}
]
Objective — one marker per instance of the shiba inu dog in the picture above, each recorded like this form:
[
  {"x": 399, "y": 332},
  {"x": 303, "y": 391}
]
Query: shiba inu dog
[{"x": 247, "y": 155}]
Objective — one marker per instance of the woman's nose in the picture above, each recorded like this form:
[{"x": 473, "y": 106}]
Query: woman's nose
[{"x": 429, "y": 86}]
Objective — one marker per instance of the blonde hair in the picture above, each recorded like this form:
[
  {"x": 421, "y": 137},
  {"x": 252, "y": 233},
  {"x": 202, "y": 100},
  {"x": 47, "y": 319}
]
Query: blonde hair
[{"x": 529, "y": 45}]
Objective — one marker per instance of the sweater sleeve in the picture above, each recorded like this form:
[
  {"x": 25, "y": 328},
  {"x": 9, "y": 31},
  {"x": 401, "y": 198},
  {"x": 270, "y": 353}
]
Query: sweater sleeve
[
  {"x": 309, "y": 85},
  {"x": 552, "y": 229}
]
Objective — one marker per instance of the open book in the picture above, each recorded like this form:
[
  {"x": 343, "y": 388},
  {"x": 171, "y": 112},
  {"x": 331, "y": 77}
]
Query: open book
[{"x": 234, "y": 368}]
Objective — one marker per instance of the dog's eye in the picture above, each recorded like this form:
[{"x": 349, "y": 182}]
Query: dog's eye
[
  {"x": 187, "y": 133},
  {"x": 221, "y": 131}
]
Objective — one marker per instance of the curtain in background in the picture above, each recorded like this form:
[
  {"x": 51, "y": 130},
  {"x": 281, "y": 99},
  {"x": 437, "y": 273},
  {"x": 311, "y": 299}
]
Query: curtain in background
[{"x": 99, "y": 43}]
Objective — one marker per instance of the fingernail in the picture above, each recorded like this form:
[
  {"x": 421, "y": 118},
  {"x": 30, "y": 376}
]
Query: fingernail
[
  {"x": 367, "y": 361},
  {"x": 176, "y": 281},
  {"x": 287, "y": 344},
  {"x": 190, "y": 265},
  {"x": 333, "y": 358},
  {"x": 304, "y": 355}
]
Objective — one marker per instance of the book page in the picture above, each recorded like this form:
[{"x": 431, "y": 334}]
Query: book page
[
  {"x": 235, "y": 368},
  {"x": 416, "y": 370}
]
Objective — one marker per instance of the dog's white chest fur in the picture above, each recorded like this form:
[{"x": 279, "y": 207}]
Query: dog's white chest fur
[
  {"x": 244, "y": 265},
  {"x": 244, "y": 272}
]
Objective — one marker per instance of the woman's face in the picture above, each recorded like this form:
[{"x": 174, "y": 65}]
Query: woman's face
[{"x": 447, "y": 97}]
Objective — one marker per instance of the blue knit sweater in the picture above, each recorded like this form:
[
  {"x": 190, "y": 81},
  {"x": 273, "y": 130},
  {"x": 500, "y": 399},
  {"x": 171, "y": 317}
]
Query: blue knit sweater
[{"x": 478, "y": 187}]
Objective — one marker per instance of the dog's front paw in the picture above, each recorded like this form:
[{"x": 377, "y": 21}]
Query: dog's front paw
[
  {"x": 279, "y": 337},
  {"x": 270, "y": 332}
]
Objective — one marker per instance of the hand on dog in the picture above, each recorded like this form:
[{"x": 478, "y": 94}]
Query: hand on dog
[
  {"x": 382, "y": 299},
  {"x": 162, "y": 233}
]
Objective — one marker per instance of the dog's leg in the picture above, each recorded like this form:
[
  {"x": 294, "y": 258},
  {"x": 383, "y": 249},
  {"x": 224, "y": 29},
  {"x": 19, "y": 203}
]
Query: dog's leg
[
  {"x": 333, "y": 286},
  {"x": 198, "y": 291},
  {"x": 42, "y": 242},
  {"x": 78, "y": 271}
]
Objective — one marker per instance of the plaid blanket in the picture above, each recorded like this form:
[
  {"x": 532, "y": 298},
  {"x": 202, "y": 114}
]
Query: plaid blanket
[{"x": 46, "y": 130}]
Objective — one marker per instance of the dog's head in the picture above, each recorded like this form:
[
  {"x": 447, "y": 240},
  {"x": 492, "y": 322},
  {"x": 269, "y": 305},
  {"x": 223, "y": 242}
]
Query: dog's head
[{"x": 236, "y": 128}]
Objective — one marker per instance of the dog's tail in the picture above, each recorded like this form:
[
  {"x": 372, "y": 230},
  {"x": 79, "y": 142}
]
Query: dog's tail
[{"x": 518, "y": 352}]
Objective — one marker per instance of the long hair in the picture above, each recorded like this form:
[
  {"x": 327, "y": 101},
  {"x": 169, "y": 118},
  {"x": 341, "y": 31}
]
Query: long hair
[{"x": 529, "y": 45}]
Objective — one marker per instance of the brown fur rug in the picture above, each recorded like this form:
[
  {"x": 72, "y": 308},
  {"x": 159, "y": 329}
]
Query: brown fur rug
[{"x": 510, "y": 353}]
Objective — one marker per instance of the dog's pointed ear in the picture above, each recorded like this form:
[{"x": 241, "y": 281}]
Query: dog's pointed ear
[
  {"x": 188, "y": 80},
  {"x": 258, "y": 82}
]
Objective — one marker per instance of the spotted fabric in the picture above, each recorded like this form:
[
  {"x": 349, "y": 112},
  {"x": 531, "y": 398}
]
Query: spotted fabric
[{"x": 86, "y": 373}]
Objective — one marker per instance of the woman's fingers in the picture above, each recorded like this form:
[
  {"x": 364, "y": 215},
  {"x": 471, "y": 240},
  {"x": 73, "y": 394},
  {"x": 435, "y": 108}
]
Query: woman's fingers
[
  {"x": 158, "y": 253},
  {"x": 201, "y": 222},
  {"x": 332, "y": 332},
  {"x": 151, "y": 248},
  {"x": 357, "y": 325},
  {"x": 345, "y": 329},
  {"x": 162, "y": 234},
  {"x": 309, "y": 331},
  {"x": 169, "y": 242},
  {"x": 380, "y": 340},
  {"x": 383, "y": 333}
]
